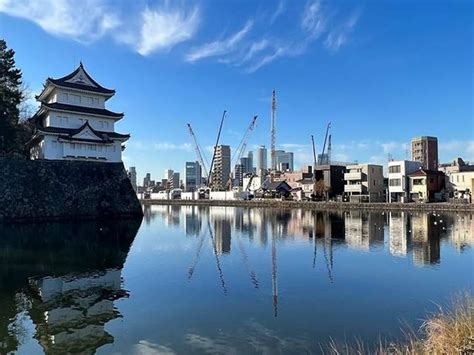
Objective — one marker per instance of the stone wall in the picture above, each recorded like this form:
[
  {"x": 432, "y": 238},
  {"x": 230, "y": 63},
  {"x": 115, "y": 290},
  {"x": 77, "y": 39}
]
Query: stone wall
[{"x": 57, "y": 190}]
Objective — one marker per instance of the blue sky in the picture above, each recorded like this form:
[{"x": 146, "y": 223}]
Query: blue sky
[{"x": 380, "y": 71}]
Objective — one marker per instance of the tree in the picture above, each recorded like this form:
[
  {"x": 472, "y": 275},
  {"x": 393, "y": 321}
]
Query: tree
[{"x": 13, "y": 132}]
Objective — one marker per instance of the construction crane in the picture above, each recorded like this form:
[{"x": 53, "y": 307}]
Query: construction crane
[
  {"x": 273, "y": 132},
  {"x": 314, "y": 166},
  {"x": 215, "y": 146},
  {"x": 321, "y": 159},
  {"x": 239, "y": 152},
  {"x": 329, "y": 149},
  {"x": 198, "y": 150}
]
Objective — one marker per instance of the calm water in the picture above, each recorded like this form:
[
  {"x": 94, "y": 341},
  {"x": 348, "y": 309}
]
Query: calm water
[{"x": 227, "y": 280}]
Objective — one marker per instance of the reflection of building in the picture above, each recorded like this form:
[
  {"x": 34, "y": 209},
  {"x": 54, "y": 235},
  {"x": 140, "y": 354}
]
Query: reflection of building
[
  {"x": 364, "y": 230},
  {"x": 462, "y": 231},
  {"x": 222, "y": 235},
  {"x": 70, "y": 312},
  {"x": 399, "y": 230},
  {"x": 425, "y": 230}
]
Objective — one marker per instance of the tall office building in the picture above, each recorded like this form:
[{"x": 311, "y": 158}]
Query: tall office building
[
  {"x": 283, "y": 160},
  {"x": 247, "y": 163},
  {"x": 174, "y": 182},
  {"x": 132, "y": 175},
  {"x": 261, "y": 158},
  {"x": 221, "y": 168},
  {"x": 192, "y": 175},
  {"x": 425, "y": 150},
  {"x": 147, "y": 180}
]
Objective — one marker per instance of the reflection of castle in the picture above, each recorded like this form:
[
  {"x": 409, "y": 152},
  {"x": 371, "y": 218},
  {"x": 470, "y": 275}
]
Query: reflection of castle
[
  {"x": 70, "y": 311},
  {"x": 73, "y": 274}
]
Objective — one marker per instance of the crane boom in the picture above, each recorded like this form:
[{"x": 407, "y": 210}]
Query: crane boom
[
  {"x": 314, "y": 167},
  {"x": 241, "y": 148},
  {"x": 215, "y": 147},
  {"x": 198, "y": 151},
  {"x": 324, "y": 145},
  {"x": 273, "y": 132}
]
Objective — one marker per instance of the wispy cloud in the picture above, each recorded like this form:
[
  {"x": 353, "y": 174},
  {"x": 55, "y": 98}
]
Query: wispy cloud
[
  {"x": 313, "y": 20},
  {"x": 146, "y": 31},
  {"x": 339, "y": 35},
  {"x": 162, "y": 29},
  {"x": 86, "y": 23},
  {"x": 219, "y": 47},
  {"x": 278, "y": 11},
  {"x": 160, "y": 146}
]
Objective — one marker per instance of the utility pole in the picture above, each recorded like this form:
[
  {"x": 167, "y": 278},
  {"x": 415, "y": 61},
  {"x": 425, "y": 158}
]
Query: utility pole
[{"x": 314, "y": 167}]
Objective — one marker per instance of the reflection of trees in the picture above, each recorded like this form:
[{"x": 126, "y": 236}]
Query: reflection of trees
[{"x": 58, "y": 256}]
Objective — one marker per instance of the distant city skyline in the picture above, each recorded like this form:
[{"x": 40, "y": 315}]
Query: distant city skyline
[{"x": 377, "y": 75}]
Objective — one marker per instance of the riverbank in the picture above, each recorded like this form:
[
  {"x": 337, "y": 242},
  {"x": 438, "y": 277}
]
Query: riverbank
[
  {"x": 446, "y": 332},
  {"x": 336, "y": 206}
]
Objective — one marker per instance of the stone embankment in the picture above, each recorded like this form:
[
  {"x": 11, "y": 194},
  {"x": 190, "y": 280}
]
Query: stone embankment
[
  {"x": 63, "y": 190},
  {"x": 322, "y": 205}
]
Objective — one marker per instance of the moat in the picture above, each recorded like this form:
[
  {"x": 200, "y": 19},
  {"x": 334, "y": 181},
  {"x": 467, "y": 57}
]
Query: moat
[{"x": 199, "y": 279}]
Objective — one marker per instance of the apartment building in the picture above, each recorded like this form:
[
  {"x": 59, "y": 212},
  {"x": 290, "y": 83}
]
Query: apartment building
[
  {"x": 364, "y": 183},
  {"x": 398, "y": 180},
  {"x": 425, "y": 150}
]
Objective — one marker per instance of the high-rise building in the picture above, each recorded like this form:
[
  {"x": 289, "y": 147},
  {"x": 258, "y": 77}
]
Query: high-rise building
[
  {"x": 146, "y": 180},
  {"x": 221, "y": 168},
  {"x": 238, "y": 175},
  {"x": 169, "y": 174},
  {"x": 192, "y": 175},
  {"x": 174, "y": 182},
  {"x": 425, "y": 150},
  {"x": 132, "y": 175},
  {"x": 261, "y": 158},
  {"x": 284, "y": 160},
  {"x": 247, "y": 163}
]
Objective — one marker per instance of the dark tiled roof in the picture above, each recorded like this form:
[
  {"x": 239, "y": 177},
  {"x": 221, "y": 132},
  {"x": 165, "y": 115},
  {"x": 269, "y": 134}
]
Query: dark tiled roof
[
  {"x": 425, "y": 172},
  {"x": 277, "y": 185},
  {"x": 68, "y": 133},
  {"x": 63, "y": 82},
  {"x": 82, "y": 109}
]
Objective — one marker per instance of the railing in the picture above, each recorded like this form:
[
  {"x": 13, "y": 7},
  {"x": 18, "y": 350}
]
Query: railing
[{"x": 354, "y": 176}]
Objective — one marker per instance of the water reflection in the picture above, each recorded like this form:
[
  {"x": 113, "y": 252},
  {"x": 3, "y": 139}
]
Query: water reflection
[
  {"x": 418, "y": 234},
  {"x": 65, "y": 277}
]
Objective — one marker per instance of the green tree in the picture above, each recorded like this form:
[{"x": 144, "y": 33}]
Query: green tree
[{"x": 11, "y": 96}]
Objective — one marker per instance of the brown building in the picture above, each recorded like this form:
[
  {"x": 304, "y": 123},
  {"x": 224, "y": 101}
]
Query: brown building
[{"x": 425, "y": 150}]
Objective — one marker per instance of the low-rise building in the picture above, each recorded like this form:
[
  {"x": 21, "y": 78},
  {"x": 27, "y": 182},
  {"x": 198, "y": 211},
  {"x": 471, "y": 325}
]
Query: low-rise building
[
  {"x": 461, "y": 185},
  {"x": 426, "y": 184},
  {"x": 398, "y": 181},
  {"x": 364, "y": 183}
]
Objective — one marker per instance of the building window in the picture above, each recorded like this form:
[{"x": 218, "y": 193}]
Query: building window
[
  {"x": 417, "y": 181},
  {"x": 96, "y": 101},
  {"x": 65, "y": 97},
  {"x": 394, "y": 169},
  {"x": 76, "y": 99},
  {"x": 72, "y": 145},
  {"x": 395, "y": 182}
]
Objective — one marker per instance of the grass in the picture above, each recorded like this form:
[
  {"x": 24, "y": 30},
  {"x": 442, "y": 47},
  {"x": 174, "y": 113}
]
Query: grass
[{"x": 445, "y": 332}]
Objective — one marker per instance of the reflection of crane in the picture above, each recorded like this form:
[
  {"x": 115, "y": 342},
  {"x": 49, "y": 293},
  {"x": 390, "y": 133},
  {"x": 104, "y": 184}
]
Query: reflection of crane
[
  {"x": 239, "y": 152},
  {"x": 245, "y": 259},
  {"x": 218, "y": 262},
  {"x": 274, "y": 278},
  {"x": 196, "y": 257},
  {"x": 314, "y": 166},
  {"x": 273, "y": 132},
  {"x": 215, "y": 146},
  {"x": 322, "y": 159},
  {"x": 198, "y": 150}
]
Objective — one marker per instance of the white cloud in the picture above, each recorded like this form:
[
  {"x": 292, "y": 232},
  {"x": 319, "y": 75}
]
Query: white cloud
[
  {"x": 146, "y": 31},
  {"x": 278, "y": 11},
  {"x": 219, "y": 47},
  {"x": 313, "y": 21},
  {"x": 162, "y": 29},
  {"x": 340, "y": 34},
  {"x": 171, "y": 146},
  {"x": 84, "y": 23},
  {"x": 278, "y": 52}
]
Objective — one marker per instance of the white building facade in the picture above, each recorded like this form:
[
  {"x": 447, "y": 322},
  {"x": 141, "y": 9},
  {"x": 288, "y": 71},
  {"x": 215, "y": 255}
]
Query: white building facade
[
  {"x": 364, "y": 183},
  {"x": 398, "y": 180},
  {"x": 72, "y": 122}
]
